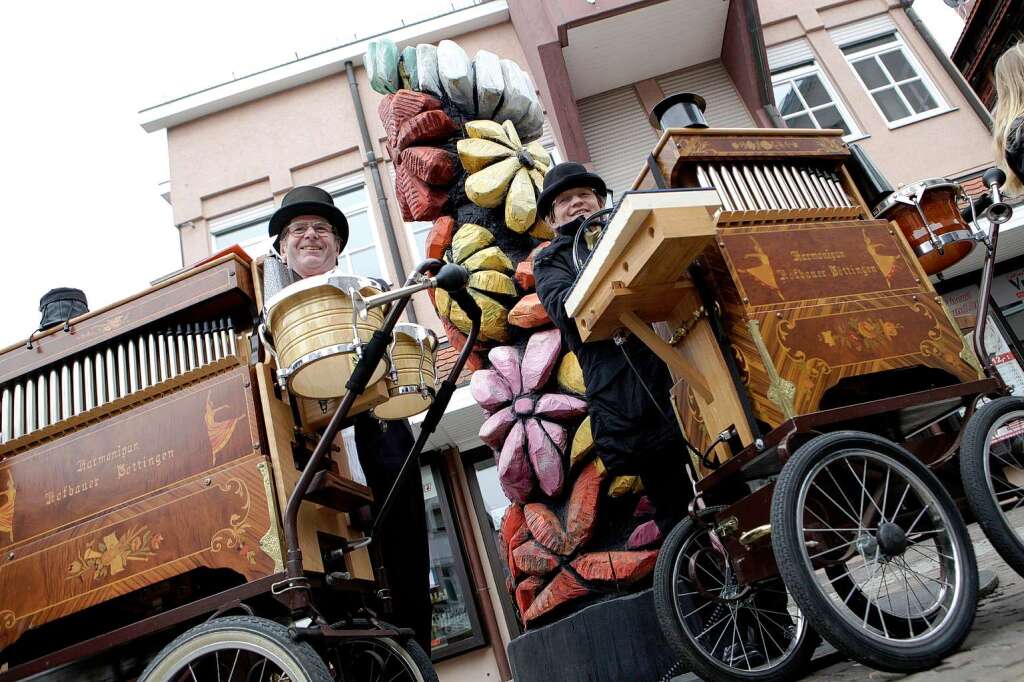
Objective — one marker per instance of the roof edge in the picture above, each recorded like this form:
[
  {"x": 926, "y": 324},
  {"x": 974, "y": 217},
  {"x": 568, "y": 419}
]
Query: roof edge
[{"x": 314, "y": 67}]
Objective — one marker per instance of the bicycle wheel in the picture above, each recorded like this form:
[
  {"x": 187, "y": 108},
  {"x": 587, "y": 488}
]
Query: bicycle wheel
[
  {"x": 992, "y": 469},
  {"x": 724, "y": 631},
  {"x": 237, "y": 649},
  {"x": 874, "y": 551},
  {"x": 382, "y": 660}
]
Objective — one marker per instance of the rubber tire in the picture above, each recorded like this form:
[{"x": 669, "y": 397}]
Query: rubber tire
[
  {"x": 416, "y": 656},
  {"x": 300, "y": 655},
  {"x": 664, "y": 606},
  {"x": 789, "y": 555},
  {"x": 976, "y": 485}
]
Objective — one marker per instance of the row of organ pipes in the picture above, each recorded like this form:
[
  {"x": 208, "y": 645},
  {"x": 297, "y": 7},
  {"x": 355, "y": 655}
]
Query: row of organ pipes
[
  {"x": 132, "y": 364},
  {"x": 773, "y": 186}
]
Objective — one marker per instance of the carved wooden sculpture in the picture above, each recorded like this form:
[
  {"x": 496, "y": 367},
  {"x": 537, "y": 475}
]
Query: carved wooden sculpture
[{"x": 571, "y": 535}]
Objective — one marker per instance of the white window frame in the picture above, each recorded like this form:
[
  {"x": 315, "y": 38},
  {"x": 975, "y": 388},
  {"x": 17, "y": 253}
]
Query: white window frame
[
  {"x": 790, "y": 75},
  {"x": 344, "y": 185},
  {"x": 941, "y": 105},
  {"x": 238, "y": 220}
]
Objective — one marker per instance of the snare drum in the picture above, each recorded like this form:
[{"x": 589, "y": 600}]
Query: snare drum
[
  {"x": 927, "y": 214},
  {"x": 317, "y": 334},
  {"x": 413, "y": 367}
]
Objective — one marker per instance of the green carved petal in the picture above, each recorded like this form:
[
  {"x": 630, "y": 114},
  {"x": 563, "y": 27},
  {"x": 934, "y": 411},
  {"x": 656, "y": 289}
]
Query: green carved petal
[
  {"x": 489, "y": 130},
  {"x": 487, "y": 188},
  {"x": 491, "y": 258},
  {"x": 492, "y": 282},
  {"x": 521, "y": 203},
  {"x": 468, "y": 240},
  {"x": 476, "y": 155}
]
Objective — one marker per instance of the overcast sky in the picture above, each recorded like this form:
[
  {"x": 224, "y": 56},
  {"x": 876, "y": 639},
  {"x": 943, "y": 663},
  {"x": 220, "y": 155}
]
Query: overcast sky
[{"x": 79, "y": 177}]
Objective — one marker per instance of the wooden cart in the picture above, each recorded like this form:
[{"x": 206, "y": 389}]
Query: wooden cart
[
  {"x": 149, "y": 472},
  {"x": 824, "y": 386}
]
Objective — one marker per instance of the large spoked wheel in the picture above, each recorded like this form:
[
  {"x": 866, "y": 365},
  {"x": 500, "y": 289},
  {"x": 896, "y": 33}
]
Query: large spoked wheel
[
  {"x": 722, "y": 630},
  {"x": 992, "y": 469},
  {"x": 873, "y": 549},
  {"x": 237, "y": 649},
  {"x": 382, "y": 660}
]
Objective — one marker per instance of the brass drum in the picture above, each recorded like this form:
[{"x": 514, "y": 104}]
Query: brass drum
[
  {"x": 413, "y": 368},
  {"x": 317, "y": 335},
  {"x": 927, "y": 214}
]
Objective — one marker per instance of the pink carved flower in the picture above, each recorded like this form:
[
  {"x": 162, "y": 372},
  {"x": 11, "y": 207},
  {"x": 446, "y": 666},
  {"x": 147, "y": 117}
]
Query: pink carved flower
[{"x": 522, "y": 426}]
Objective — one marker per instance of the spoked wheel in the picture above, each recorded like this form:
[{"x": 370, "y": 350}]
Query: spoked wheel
[
  {"x": 992, "y": 469},
  {"x": 382, "y": 660},
  {"x": 874, "y": 551},
  {"x": 237, "y": 649},
  {"x": 722, "y": 630}
]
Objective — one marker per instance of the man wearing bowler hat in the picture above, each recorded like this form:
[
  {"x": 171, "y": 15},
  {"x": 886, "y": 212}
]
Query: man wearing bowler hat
[
  {"x": 634, "y": 427},
  {"x": 309, "y": 233}
]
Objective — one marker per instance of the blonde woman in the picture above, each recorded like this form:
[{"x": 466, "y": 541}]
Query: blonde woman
[{"x": 1007, "y": 128}]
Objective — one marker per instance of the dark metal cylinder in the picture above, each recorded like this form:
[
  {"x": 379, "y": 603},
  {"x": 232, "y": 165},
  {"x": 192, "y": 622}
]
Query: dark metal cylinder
[
  {"x": 60, "y": 305},
  {"x": 681, "y": 110},
  {"x": 869, "y": 180}
]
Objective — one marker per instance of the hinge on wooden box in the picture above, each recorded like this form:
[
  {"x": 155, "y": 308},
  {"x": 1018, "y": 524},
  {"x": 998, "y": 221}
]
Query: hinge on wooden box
[{"x": 686, "y": 325}]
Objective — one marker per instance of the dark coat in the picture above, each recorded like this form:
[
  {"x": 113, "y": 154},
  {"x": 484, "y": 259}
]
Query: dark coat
[
  {"x": 1015, "y": 148},
  {"x": 625, "y": 423}
]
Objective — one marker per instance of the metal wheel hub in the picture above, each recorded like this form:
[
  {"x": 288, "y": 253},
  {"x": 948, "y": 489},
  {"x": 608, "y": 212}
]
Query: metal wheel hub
[{"x": 892, "y": 540}]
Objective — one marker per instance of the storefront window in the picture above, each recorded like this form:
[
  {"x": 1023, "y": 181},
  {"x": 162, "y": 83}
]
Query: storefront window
[{"x": 455, "y": 626}]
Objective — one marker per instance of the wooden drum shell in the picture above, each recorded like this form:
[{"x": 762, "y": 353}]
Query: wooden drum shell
[
  {"x": 313, "y": 327},
  {"x": 413, "y": 368},
  {"x": 938, "y": 203}
]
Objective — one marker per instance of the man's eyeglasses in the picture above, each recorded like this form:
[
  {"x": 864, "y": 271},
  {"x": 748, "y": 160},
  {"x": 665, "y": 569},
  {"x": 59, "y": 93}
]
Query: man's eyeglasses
[{"x": 321, "y": 230}]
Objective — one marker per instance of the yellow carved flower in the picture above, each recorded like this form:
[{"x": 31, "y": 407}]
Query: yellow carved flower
[
  {"x": 500, "y": 169},
  {"x": 489, "y": 270}
]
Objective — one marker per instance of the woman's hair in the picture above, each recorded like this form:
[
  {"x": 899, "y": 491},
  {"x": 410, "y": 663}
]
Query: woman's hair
[{"x": 1009, "y": 74}]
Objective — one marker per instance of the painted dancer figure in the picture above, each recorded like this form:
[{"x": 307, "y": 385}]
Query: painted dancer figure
[
  {"x": 634, "y": 427},
  {"x": 310, "y": 233}
]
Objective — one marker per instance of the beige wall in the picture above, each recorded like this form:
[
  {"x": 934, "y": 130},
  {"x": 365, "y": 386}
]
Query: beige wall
[
  {"x": 946, "y": 145},
  {"x": 257, "y": 151}
]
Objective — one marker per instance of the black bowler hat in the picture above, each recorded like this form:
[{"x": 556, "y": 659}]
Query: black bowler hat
[
  {"x": 308, "y": 200},
  {"x": 567, "y": 175}
]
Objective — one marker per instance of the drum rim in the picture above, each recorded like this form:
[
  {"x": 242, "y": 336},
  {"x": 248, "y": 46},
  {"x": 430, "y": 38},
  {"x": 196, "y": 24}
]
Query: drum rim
[
  {"x": 319, "y": 354},
  {"x": 408, "y": 389},
  {"x": 945, "y": 239},
  {"x": 926, "y": 184},
  {"x": 418, "y": 333},
  {"x": 344, "y": 281}
]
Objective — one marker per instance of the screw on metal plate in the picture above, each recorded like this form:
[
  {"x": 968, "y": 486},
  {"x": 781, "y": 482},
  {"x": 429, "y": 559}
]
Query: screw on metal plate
[
  {"x": 10, "y": 556},
  {"x": 207, "y": 481}
]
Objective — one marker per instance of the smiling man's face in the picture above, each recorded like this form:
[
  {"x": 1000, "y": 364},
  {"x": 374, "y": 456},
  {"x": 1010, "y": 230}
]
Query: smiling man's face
[
  {"x": 310, "y": 245},
  {"x": 573, "y": 203}
]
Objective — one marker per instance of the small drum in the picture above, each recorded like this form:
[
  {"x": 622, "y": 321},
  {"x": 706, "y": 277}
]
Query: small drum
[
  {"x": 317, "y": 333},
  {"x": 413, "y": 367},
  {"x": 927, "y": 214}
]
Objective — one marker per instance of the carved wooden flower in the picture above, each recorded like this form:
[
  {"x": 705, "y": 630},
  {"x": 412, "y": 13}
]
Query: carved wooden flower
[
  {"x": 522, "y": 426},
  {"x": 500, "y": 169},
  {"x": 489, "y": 270},
  {"x": 537, "y": 546}
]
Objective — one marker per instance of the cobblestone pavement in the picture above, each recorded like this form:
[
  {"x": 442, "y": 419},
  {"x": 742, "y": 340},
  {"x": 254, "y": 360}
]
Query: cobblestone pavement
[{"x": 994, "y": 650}]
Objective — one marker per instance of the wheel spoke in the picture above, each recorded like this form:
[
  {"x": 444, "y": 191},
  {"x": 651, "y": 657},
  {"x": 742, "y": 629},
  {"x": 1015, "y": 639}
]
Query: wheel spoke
[
  {"x": 853, "y": 509},
  {"x": 836, "y": 504},
  {"x": 193, "y": 673},
  {"x": 231, "y": 674},
  {"x": 704, "y": 605},
  {"x": 913, "y": 524},
  {"x": 885, "y": 492},
  {"x": 831, "y": 549}
]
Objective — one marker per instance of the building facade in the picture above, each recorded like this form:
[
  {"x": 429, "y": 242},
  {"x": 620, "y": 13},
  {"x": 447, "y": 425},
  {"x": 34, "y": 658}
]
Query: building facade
[{"x": 235, "y": 149}]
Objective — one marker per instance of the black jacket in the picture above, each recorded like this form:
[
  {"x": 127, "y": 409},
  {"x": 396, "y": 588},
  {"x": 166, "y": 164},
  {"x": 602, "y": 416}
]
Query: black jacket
[
  {"x": 625, "y": 423},
  {"x": 1015, "y": 148}
]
